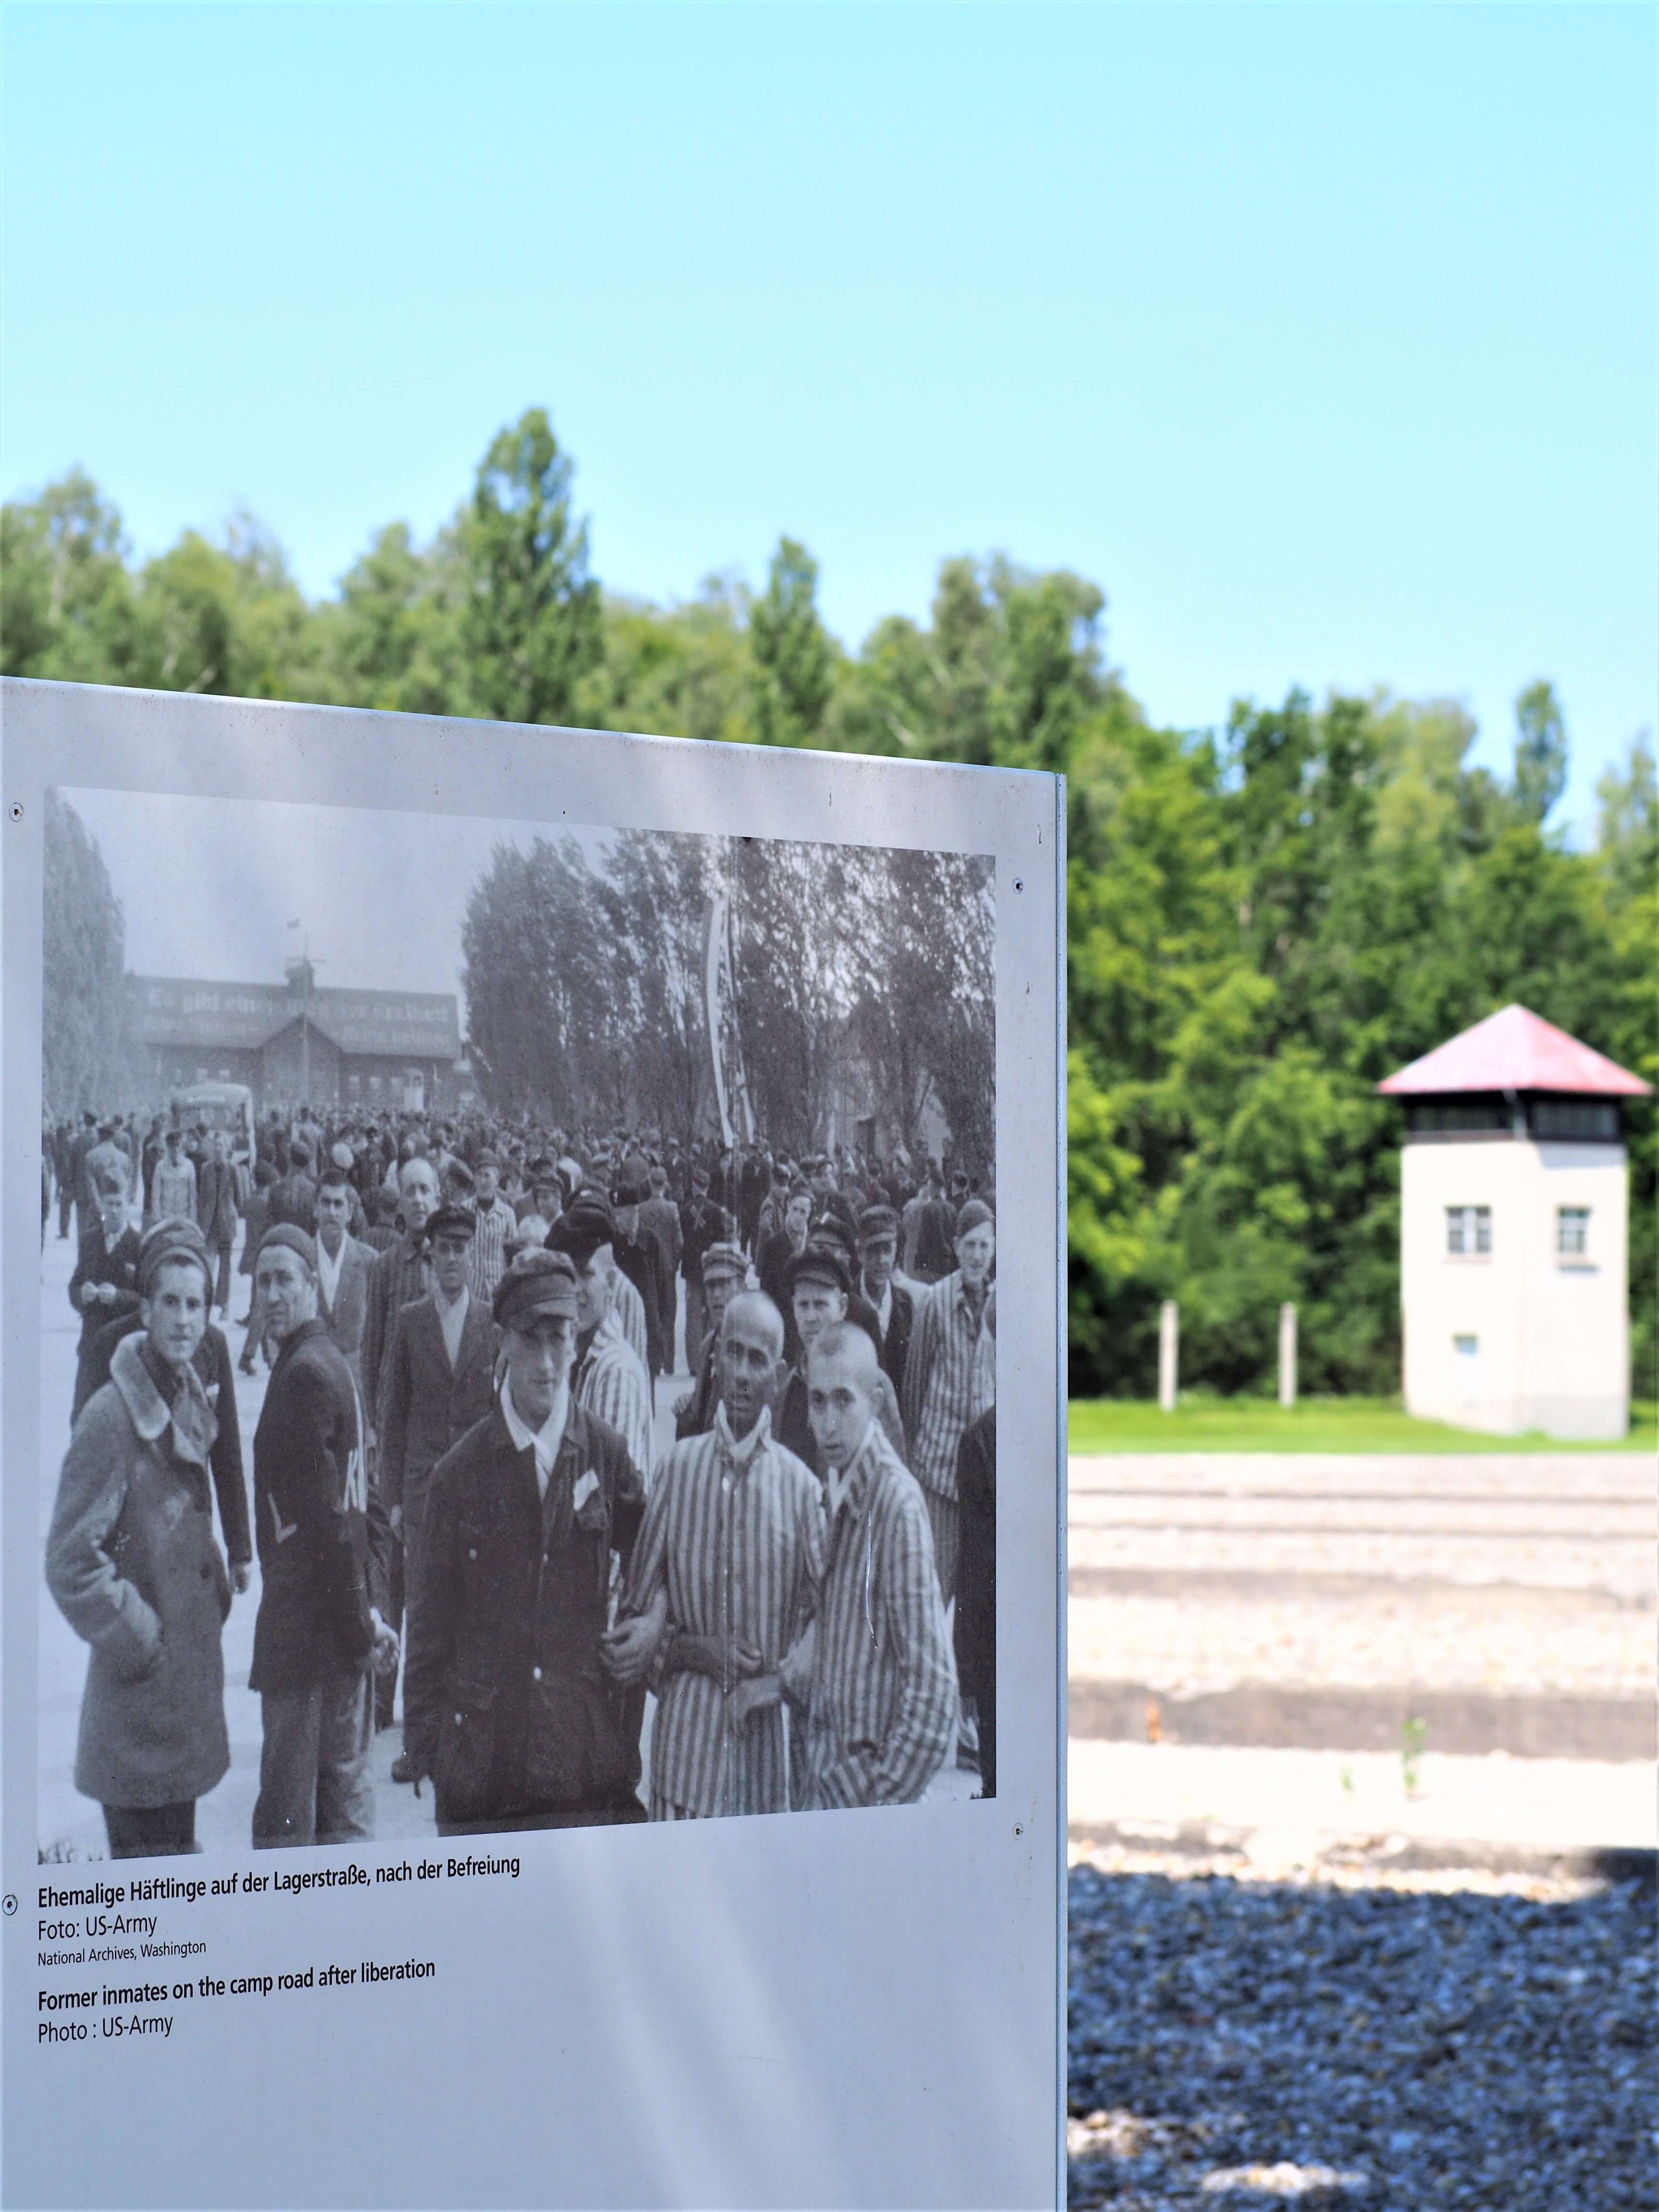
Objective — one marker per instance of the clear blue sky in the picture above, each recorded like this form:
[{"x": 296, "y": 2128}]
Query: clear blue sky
[{"x": 1322, "y": 339}]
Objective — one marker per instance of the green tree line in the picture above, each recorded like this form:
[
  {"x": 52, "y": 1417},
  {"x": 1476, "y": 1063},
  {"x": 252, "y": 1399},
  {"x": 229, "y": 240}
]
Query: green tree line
[{"x": 1264, "y": 919}]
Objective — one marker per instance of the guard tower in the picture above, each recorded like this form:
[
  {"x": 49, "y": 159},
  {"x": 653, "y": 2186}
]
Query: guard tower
[{"x": 1514, "y": 1213}]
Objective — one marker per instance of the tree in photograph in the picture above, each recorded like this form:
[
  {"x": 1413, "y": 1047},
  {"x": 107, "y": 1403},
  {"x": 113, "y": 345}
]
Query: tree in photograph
[
  {"x": 658, "y": 888},
  {"x": 790, "y": 920},
  {"x": 530, "y": 615},
  {"x": 539, "y": 970},
  {"x": 924, "y": 993},
  {"x": 85, "y": 1030}
]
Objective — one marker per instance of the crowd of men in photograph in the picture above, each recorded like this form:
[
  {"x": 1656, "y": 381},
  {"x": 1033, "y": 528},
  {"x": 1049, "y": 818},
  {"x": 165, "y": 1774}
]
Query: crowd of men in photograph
[{"x": 457, "y": 1479}]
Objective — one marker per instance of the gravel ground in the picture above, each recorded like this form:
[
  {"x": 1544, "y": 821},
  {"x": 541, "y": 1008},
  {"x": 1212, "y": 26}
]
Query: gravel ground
[{"x": 1407, "y": 2043}]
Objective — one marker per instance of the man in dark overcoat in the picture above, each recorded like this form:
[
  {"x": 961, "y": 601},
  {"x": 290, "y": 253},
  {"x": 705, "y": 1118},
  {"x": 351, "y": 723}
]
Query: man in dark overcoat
[
  {"x": 104, "y": 1285},
  {"x": 217, "y": 1212},
  {"x": 892, "y": 1304},
  {"x": 323, "y": 1542},
  {"x": 509, "y": 1701},
  {"x": 439, "y": 1383}
]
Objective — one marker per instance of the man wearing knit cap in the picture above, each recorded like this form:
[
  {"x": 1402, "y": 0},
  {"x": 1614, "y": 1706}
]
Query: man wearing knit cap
[
  {"x": 950, "y": 1376},
  {"x": 131, "y": 1561},
  {"x": 322, "y": 1544},
  {"x": 509, "y": 1703},
  {"x": 607, "y": 1377}
]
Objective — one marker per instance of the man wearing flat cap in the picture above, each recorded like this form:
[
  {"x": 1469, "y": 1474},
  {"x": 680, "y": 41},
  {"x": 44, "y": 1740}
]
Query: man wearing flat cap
[
  {"x": 323, "y": 1542},
  {"x": 635, "y": 1259},
  {"x": 608, "y": 1377},
  {"x": 133, "y": 1563},
  {"x": 105, "y": 1283},
  {"x": 439, "y": 1383},
  {"x": 543, "y": 1191},
  {"x": 509, "y": 1703},
  {"x": 725, "y": 1275},
  {"x": 891, "y": 1303},
  {"x": 591, "y": 1225},
  {"x": 818, "y": 1284}
]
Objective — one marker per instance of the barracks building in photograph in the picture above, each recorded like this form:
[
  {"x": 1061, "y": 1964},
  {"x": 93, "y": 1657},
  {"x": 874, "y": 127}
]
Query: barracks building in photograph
[{"x": 294, "y": 1043}]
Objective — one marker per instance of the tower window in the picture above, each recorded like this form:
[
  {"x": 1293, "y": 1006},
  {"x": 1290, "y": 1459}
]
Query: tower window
[
  {"x": 1468, "y": 1231},
  {"x": 1555, "y": 1118},
  {"x": 1572, "y": 1232}
]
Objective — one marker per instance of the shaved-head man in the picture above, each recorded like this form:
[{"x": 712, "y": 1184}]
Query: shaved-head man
[
  {"x": 723, "y": 1588},
  {"x": 884, "y": 1700}
]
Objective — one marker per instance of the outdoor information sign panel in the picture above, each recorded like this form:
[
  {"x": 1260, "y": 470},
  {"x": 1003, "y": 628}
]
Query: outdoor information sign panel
[{"x": 532, "y": 1466}]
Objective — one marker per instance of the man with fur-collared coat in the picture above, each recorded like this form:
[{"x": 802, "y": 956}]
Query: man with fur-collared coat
[{"x": 133, "y": 1564}]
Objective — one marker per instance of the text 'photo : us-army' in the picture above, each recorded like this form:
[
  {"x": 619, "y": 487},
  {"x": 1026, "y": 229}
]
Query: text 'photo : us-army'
[{"x": 518, "y": 1326}]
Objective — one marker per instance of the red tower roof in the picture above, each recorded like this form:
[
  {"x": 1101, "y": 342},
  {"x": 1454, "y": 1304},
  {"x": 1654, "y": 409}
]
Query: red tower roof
[{"x": 1514, "y": 1050}]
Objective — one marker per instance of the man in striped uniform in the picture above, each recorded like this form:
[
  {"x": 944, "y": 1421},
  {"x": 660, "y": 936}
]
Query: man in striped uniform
[
  {"x": 884, "y": 1700},
  {"x": 608, "y": 1378},
  {"x": 496, "y": 1223},
  {"x": 950, "y": 1378},
  {"x": 733, "y": 1542},
  {"x": 587, "y": 1224}
]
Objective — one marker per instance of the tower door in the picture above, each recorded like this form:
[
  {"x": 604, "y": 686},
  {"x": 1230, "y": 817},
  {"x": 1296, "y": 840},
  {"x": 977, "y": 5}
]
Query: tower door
[{"x": 1467, "y": 1349}]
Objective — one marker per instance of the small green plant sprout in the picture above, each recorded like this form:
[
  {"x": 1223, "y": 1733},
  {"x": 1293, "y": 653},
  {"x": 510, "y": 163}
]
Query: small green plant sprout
[
  {"x": 1413, "y": 1738},
  {"x": 1347, "y": 1779}
]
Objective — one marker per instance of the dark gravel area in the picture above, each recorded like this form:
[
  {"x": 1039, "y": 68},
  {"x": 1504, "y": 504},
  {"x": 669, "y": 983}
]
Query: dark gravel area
[{"x": 1404, "y": 2044}]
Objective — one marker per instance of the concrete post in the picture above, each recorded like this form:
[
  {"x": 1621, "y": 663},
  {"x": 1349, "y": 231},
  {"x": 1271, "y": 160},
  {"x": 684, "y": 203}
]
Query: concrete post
[
  {"x": 1169, "y": 1344},
  {"x": 1287, "y": 1355}
]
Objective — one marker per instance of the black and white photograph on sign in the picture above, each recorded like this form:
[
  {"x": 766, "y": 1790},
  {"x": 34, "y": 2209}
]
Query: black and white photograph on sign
[{"x": 518, "y": 1326}]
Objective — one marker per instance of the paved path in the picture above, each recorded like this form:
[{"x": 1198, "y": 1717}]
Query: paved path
[{"x": 1458, "y": 1649}]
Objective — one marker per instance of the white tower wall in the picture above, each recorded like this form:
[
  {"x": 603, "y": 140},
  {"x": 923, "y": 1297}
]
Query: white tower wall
[{"x": 1524, "y": 1336}]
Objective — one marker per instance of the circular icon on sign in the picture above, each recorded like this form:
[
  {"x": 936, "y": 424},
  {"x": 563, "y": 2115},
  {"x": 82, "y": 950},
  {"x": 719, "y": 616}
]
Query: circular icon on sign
[{"x": 11, "y": 1904}]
